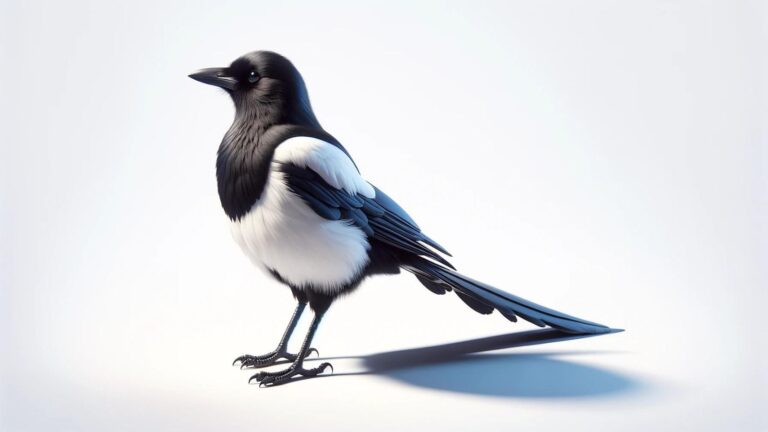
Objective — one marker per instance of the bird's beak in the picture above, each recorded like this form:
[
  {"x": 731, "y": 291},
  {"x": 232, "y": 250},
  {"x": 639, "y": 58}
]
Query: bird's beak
[{"x": 215, "y": 76}]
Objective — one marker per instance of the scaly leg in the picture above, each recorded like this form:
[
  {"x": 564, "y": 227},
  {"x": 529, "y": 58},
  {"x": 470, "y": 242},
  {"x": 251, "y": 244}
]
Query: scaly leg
[
  {"x": 280, "y": 352},
  {"x": 297, "y": 368}
]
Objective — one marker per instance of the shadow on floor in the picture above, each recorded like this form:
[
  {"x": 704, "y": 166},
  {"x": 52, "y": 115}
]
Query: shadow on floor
[{"x": 459, "y": 367}]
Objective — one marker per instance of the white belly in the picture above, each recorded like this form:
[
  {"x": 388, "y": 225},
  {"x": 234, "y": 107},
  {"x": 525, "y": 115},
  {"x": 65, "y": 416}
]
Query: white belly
[{"x": 282, "y": 233}]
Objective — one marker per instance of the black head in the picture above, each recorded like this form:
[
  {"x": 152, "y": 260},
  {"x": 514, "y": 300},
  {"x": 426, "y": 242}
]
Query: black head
[{"x": 265, "y": 87}]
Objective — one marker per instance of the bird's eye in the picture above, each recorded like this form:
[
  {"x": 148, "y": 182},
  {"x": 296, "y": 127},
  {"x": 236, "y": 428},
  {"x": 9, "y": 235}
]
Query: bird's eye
[{"x": 253, "y": 77}]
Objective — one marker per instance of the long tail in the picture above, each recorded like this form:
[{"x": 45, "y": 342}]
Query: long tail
[{"x": 485, "y": 298}]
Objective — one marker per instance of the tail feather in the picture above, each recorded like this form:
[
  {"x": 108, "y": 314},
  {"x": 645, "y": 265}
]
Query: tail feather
[
  {"x": 485, "y": 299},
  {"x": 433, "y": 285}
]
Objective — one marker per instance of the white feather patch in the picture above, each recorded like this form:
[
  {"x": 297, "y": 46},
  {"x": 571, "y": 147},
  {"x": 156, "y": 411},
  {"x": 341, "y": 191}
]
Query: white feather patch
[
  {"x": 282, "y": 233},
  {"x": 327, "y": 160}
]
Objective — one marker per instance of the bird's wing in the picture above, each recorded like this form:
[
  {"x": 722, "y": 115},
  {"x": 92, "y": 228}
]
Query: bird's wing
[{"x": 327, "y": 180}]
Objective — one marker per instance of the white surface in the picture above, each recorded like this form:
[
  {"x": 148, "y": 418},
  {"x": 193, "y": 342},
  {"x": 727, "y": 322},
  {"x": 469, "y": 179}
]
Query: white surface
[{"x": 604, "y": 158}]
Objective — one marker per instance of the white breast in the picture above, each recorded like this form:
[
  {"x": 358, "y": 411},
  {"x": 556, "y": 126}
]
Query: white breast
[{"x": 282, "y": 233}]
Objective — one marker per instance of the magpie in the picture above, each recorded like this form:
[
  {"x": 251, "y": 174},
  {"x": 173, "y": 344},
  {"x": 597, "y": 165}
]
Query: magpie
[{"x": 302, "y": 212}]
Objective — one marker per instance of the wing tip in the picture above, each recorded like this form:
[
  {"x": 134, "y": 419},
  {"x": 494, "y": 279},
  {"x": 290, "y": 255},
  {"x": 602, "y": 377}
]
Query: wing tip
[{"x": 435, "y": 245}]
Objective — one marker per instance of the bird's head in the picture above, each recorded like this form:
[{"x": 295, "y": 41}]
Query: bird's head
[{"x": 264, "y": 86}]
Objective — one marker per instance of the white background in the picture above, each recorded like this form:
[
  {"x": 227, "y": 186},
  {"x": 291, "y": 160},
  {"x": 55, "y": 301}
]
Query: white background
[{"x": 604, "y": 158}]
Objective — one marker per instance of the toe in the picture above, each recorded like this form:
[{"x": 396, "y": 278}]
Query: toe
[
  {"x": 240, "y": 359},
  {"x": 318, "y": 370},
  {"x": 259, "y": 377},
  {"x": 265, "y": 381}
]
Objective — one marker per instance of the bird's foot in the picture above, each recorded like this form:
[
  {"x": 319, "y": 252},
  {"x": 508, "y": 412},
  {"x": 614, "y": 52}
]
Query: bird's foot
[
  {"x": 259, "y": 361},
  {"x": 284, "y": 376}
]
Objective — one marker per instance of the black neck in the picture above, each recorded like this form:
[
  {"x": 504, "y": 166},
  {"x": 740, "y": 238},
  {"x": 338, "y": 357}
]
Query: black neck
[{"x": 245, "y": 156}]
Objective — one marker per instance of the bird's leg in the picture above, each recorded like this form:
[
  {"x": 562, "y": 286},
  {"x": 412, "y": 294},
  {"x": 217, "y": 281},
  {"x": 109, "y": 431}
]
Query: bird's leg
[
  {"x": 297, "y": 368},
  {"x": 281, "y": 351}
]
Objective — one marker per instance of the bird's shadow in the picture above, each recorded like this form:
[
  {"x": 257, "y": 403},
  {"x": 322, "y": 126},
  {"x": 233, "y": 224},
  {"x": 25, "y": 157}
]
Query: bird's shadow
[{"x": 465, "y": 367}]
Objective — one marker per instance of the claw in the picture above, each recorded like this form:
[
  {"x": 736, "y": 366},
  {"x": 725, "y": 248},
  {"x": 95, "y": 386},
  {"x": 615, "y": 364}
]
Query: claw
[
  {"x": 267, "y": 379},
  {"x": 259, "y": 377},
  {"x": 310, "y": 352}
]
